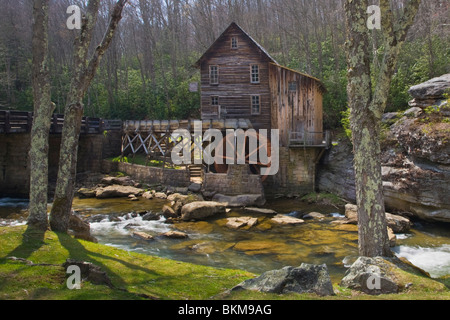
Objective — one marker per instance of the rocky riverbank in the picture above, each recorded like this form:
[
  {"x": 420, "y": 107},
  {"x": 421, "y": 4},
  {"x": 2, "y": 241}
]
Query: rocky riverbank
[{"x": 415, "y": 157}]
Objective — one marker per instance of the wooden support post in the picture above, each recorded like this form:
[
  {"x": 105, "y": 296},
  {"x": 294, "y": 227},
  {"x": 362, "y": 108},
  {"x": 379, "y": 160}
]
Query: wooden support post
[
  {"x": 29, "y": 121},
  {"x": 7, "y": 122}
]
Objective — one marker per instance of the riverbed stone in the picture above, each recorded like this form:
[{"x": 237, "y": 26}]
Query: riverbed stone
[
  {"x": 142, "y": 235},
  {"x": 150, "y": 216},
  {"x": 307, "y": 278},
  {"x": 260, "y": 210},
  {"x": 255, "y": 247},
  {"x": 244, "y": 200},
  {"x": 313, "y": 215},
  {"x": 241, "y": 222},
  {"x": 117, "y": 191},
  {"x": 175, "y": 234},
  {"x": 195, "y": 187},
  {"x": 160, "y": 195},
  {"x": 286, "y": 220},
  {"x": 200, "y": 210},
  {"x": 148, "y": 195},
  {"x": 86, "y": 193},
  {"x": 202, "y": 227}
]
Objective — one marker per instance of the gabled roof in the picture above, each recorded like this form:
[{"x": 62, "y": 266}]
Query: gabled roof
[
  {"x": 263, "y": 51},
  {"x": 219, "y": 39}
]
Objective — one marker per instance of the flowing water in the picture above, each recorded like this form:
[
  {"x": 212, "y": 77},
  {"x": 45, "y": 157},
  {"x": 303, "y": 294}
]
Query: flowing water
[{"x": 263, "y": 247}]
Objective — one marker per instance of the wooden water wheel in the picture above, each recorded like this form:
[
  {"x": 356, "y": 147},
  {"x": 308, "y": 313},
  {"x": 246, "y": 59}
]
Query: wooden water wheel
[{"x": 251, "y": 153}]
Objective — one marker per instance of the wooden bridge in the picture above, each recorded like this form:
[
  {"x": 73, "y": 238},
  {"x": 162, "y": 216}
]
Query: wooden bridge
[{"x": 21, "y": 122}]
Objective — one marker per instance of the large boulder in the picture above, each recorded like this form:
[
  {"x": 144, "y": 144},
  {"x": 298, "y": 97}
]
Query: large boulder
[
  {"x": 81, "y": 229},
  {"x": 427, "y": 93},
  {"x": 307, "y": 278},
  {"x": 244, "y": 200},
  {"x": 200, "y": 210},
  {"x": 117, "y": 191},
  {"x": 397, "y": 223},
  {"x": 371, "y": 275}
]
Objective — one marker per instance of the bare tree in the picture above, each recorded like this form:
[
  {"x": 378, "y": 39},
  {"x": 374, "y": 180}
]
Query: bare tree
[
  {"x": 84, "y": 70},
  {"x": 367, "y": 103}
]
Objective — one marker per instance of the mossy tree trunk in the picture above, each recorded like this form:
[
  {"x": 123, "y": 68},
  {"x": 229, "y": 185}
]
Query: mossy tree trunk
[
  {"x": 367, "y": 102},
  {"x": 84, "y": 72},
  {"x": 43, "y": 109}
]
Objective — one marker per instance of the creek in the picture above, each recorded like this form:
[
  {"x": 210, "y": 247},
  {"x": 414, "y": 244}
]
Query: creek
[{"x": 263, "y": 247}]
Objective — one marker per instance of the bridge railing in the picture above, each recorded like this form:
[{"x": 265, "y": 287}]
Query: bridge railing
[{"x": 21, "y": 121}]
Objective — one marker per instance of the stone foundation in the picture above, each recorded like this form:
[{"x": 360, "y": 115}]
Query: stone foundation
[
  {"x": 297, "y": 172},
  {"x": 14, "y": 160},
  {"x": 150, "y": 175},
  {"x": 238, "y": 180}
]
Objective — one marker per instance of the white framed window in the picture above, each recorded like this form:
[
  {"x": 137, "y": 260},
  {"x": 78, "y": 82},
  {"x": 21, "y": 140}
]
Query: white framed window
[
  {"x": 256, "y": 104},
  {"x": 254, "y": 73},
  {"x": 214, "y": 74},
  {"x": 234, "y": 43}
]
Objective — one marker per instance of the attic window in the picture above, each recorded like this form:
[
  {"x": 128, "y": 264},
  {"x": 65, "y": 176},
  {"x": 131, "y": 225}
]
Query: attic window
[
  {"x": 214, "y": 74},
  {"x": 234, "y": 43}
]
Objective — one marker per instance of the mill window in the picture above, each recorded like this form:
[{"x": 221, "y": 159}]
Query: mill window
[
  {"x": 214, "y": 74},
  {"x": 256, "y": 105},
  {"x": 254, "y": 76}
]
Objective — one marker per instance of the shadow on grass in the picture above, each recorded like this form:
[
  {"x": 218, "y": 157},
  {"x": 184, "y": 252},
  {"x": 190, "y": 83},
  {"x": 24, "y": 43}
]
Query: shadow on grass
[
  {"x": 78, "y": 252},
  {"x": 32, "y": 240}
]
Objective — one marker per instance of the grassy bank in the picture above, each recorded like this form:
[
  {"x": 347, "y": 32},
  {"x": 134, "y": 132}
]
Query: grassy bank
[{"x": 138, "y": 276}]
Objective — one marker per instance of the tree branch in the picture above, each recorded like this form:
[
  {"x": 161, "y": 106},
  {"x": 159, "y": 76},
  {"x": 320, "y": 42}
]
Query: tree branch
[
  {"x": 394, "y": 37},
  {"x": 116, "y": 16}
]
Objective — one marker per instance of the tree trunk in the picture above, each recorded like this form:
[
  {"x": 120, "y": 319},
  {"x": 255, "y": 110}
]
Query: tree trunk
[
  {"x": 84, "y": 72},
  {"x": 367, "y": 107},
  {"x": 43, "y": 109},
  {"x": 64, "y": 193}
]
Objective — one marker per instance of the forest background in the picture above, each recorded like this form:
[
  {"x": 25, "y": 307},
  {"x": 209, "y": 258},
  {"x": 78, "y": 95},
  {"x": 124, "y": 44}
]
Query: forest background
[{"x": 147, "y": 70}]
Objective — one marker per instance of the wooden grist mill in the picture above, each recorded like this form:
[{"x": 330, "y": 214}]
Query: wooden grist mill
[{"x": 243, "y": 87}]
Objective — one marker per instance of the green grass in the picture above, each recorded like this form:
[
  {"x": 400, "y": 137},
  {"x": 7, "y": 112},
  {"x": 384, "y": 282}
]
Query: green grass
[
  {"x": 139, "y": 276},
  {"x": 132, "y": 274},
  {"x": 140, "y": 159}
]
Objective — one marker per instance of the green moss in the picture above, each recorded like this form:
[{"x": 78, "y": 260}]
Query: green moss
[{"x": 324, "y": 198}]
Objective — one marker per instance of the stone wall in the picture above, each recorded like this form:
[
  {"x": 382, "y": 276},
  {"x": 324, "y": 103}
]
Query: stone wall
[
  {"x": 150, "y": 175},
  {"x": 238, "y": 180},
  {"x": 14, "y": 164},
  {"x": 14, "y": 160},
  {"x": 297, "y": 172}
]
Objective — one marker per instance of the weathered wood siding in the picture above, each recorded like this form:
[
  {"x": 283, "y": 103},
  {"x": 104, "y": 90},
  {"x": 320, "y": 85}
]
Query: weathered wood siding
[
  {"x": 235, "y": 88},
  {"x": 296, "y": 103}
]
